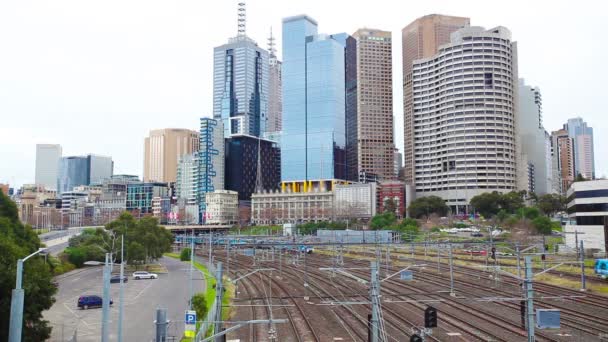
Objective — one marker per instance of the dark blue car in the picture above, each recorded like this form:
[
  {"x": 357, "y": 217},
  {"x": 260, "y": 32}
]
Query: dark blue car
[{"x": 85, "y": 302}]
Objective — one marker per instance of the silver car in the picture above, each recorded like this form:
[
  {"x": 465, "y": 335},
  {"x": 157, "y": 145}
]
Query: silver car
[{"x": 144, "y": 275}]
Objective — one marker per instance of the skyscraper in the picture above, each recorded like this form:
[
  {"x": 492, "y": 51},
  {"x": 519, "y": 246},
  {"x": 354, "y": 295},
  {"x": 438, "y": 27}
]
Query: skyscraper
[
  {"x": 163, "y": 148},
  {"x": 584, "y": 158},
  {"x": 313, "y": 143},
  {"x": 211, "y": 162},
  {"x": 47, "y": 163},
  {"x": 100, "y": 168},
  {"x": 275, "y": 103},
  {"x": 563, "y": 160},
  {"x": 240, "y": 84},
  {"x": 421, "y": 39},
  {"x": 83, "y": 170},
  {"x": 464, "y": 121},
  {"x": 375, "y": 145},
  {"x": 532, "y": 141}
]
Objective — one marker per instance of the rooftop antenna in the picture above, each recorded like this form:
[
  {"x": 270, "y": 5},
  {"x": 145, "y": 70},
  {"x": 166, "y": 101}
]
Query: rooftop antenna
[
  {"x": 242, "y": 19},
  {"x": 271, "y": 44}
]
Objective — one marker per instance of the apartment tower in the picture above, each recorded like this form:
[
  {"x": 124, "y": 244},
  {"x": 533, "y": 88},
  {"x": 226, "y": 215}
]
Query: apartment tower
[
  {"x": 374, "y": 122},
  {"x": 420, "y": 39},
  {"x": 563, "y": 160},
  {"x": 162, "y": 150},
  {"x": 464, "y": 115},
  {"x": 582, "y": 135}
]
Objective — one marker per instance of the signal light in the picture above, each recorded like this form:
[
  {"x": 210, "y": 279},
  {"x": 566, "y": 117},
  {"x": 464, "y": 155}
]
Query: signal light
[
  {"x": 430, "y": 317},
  {"x": 542, "y": 257},
  {"x": 416, "y": 338}
]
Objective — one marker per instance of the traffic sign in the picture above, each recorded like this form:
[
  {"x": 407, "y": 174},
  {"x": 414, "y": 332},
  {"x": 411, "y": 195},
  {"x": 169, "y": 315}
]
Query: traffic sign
[
  {"x": 190, "y": 317},
  {"x": 406, "y": 275}
]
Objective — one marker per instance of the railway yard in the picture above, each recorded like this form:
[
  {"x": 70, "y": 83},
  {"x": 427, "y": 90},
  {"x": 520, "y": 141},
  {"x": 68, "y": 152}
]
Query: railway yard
[{"x": 324, "y": 295}]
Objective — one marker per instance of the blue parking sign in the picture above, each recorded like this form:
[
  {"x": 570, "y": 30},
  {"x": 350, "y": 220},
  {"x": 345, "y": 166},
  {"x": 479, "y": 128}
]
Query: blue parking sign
[
  {"x": 190, "y": 317},
  {"x": 406, "y": 275}
]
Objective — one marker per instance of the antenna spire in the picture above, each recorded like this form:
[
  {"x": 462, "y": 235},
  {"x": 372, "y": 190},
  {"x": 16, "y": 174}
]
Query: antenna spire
[
  {"x": 242, "y": 19},
  {"x": 271, "y": 44}
]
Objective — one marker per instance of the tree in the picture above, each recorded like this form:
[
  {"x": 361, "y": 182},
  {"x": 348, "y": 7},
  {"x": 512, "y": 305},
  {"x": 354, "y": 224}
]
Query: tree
[
  {"x": 199, "y": 303},
  {"x": 18, "y": 241},
  {"x": 580, "y": 178},
  {"x": 502, "y": 215},
  {"x": 390, "y": 206},
  {"x": 542, "y": 225},
  {"x": 529, "y": 212},
  {"x": 381, "y": 221},
  {"x": 487, "y": 204},
  {"x": 185, "y": 254},
  {"x": 136, "y": 253},
  {"x": 425, "y": 206},
  {"x": 550, "y": 204}
]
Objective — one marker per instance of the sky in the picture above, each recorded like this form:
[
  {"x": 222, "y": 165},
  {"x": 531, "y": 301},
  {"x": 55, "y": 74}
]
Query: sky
[{"x": 97, "y": 76}]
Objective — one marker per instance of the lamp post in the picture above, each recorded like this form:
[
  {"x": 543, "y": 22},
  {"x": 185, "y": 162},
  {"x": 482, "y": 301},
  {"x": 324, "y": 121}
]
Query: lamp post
[{"x": 17, "y": 298}]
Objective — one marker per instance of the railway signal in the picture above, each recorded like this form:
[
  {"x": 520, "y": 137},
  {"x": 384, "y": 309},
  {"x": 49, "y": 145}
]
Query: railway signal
[
  {"x": 430, "y": 317},
  {"x": 416, "y": 338},
  {"x": 493, "y": 256}
]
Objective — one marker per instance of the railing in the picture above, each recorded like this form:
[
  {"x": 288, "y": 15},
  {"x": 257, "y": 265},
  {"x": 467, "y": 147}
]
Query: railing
[{"x": 210, "y": 318}]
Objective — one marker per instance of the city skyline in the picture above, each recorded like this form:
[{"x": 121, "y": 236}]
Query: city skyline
[{"x": 133, "y": 102}]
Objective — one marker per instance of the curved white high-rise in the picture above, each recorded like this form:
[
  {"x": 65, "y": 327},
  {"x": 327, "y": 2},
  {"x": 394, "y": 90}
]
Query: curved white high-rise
[{"x": 464, "y": 111}]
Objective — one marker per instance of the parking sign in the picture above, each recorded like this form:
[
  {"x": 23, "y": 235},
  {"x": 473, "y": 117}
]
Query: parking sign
[{"x": 190, "y": 317}]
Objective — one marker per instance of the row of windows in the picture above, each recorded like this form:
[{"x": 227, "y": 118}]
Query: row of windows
[{"x": 420, "y": 189}]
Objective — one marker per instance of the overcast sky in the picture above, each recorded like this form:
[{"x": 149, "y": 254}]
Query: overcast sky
[{"x": 96, "y": 76}]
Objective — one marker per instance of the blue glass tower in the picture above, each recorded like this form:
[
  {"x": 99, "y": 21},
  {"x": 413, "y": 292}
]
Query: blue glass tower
[
  {"x": 313, "y": 145},
  {"x": 210, "y": 159},
  {"x": 240, "y": 86},
  {"x": 72, "y": 171}
]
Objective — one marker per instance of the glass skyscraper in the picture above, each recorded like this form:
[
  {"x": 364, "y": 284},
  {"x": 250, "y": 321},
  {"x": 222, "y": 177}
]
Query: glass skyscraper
[
  {"x": 240, "y": 87},
  {"x": 72, "y": 171},
  {"x": 313, "y": 145}
]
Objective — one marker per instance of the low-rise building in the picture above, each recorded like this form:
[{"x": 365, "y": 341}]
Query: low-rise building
[
  {"x": 222, "y": 207},
  {"x": 355, "y": 200},
  {"x": 588, "y": 213},
  {"x": 278, "y": 207},
  {"x": 140, "y": 195},
  {"x": 391, "y": 191}
]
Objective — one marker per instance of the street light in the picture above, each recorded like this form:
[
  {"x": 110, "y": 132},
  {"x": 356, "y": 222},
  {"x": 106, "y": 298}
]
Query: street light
[{"x": 17, "y": 298}]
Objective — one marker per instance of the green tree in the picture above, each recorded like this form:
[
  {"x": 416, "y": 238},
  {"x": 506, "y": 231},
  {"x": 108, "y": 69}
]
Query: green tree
[
  {"x": 425, "y": 206},
  {"x": 199, "y": 303},
  {"x": 390, "y": 206},
  {"x": 136, "y": 253},
  {"x": 528, "y": 212},
  {"x": 184, "y": 255},
  {"x": 580, "y": 178},
  {"x": 550, "y": 204},
  {"x": 76, "y": 255},
  {"x": 487, "y": 204},
  {"x": 543, "y": 225},
  {"x": 381, "y": 221},
  {"x": 512, "y": 201},
  {"x": 502, "y": 215},
  {"x": 17, "y": 241}
]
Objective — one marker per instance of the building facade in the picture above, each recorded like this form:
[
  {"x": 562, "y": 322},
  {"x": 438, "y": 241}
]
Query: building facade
[
  {"x": 240, "y": 86},
  {"x": 222, "y": 207},
  {"x": 584, "y": 155},
  {"x": 563, "y": 160},
  {"x": 100, "y": 168},
  {"x": 464, "y": 116},
  {"x": 391, "y": 191},
  {"x": 140, "y": 196},
  {"x": 374, "y": 121},
  {"x": 275, "y": 89},
  {"x": 588, "y": 212},
  {"x": 532, "y": 139},
  {"x": 277, "y": 207},
  {"x": 313, "y": 142},
  {"x": 47, "y": 164},
  {"x": 186, "y": 185},
  {"x": 420, "y": 39},
  {"x": 72, "y": 171},
  {"x": 242, "y": 165},
  {"x": 162, "y": 150},
  {"x": 355, "y": 201}
]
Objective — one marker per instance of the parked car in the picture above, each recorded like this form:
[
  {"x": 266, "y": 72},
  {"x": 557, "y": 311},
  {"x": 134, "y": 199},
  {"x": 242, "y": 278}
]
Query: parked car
[
  {"x": 116, "y": 279},
  {"x": 476, "y": 234},
  {"x": 144, "y": 275},
  {"x": 91, "y": 301}
]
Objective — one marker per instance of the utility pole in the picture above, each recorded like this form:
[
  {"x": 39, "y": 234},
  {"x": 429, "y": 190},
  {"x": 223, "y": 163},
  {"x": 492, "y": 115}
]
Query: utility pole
[
  {"x": 122, "y": 290},
  {"x": 583, "y": 280},
  {"x": 451, "y": 273},
  {"x": 374, "y": 293},
  {"x": 529, "y": 298},
  {"x": 161, "y": 325},
  {"x": 217, "y": 326},
  {"x": 191, "y": 270},
  {"x": 518, "y": 259},
  {"x": 105, "y": 316},
  {"x": 210, "y": 246}
]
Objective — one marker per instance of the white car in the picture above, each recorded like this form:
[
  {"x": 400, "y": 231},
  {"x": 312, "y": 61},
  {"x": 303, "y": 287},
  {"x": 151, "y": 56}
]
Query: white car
[{"x": 144, "y": 275}]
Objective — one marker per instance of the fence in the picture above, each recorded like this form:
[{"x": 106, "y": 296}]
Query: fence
[{"x": 210, "y": 318}]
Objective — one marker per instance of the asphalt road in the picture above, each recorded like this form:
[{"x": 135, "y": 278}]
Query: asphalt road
[{"x": 142, "y": 297}]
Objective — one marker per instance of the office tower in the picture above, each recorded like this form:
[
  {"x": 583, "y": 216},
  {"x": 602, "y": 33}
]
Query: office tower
[
  {"x": 374, "y": 122},
  {"x": 532, "y": 141},
  {"x": 420, "y": 39},
  {"x": 549, "y": 164},
  {"x": 584, "y": 158},
  {"x": 465, "y": 134},
  {"x": 47, "y": 162},
  {"x": 100, "y": 168},
  {"x": 211, "y": 162},
  {"x": 240, "y": 84},
  {"x": 72, "y": 171},
  {"x": 313, "y": 143},
  {"x": 242, "y": 165},
  {"x": 162, "y": 150},
  {"x": 275, "y": 103},
  {"x": 186, "y": 184},
  {"x": 563, "y": 160},
  {"x": 398, "y": 162}
]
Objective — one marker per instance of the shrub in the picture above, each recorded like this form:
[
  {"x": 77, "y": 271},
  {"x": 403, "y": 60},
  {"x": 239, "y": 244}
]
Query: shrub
[{"x": 185, "y": 254}]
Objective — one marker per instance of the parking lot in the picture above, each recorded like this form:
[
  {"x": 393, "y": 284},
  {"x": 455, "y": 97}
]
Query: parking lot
[{"x": 142, "y": 297}]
